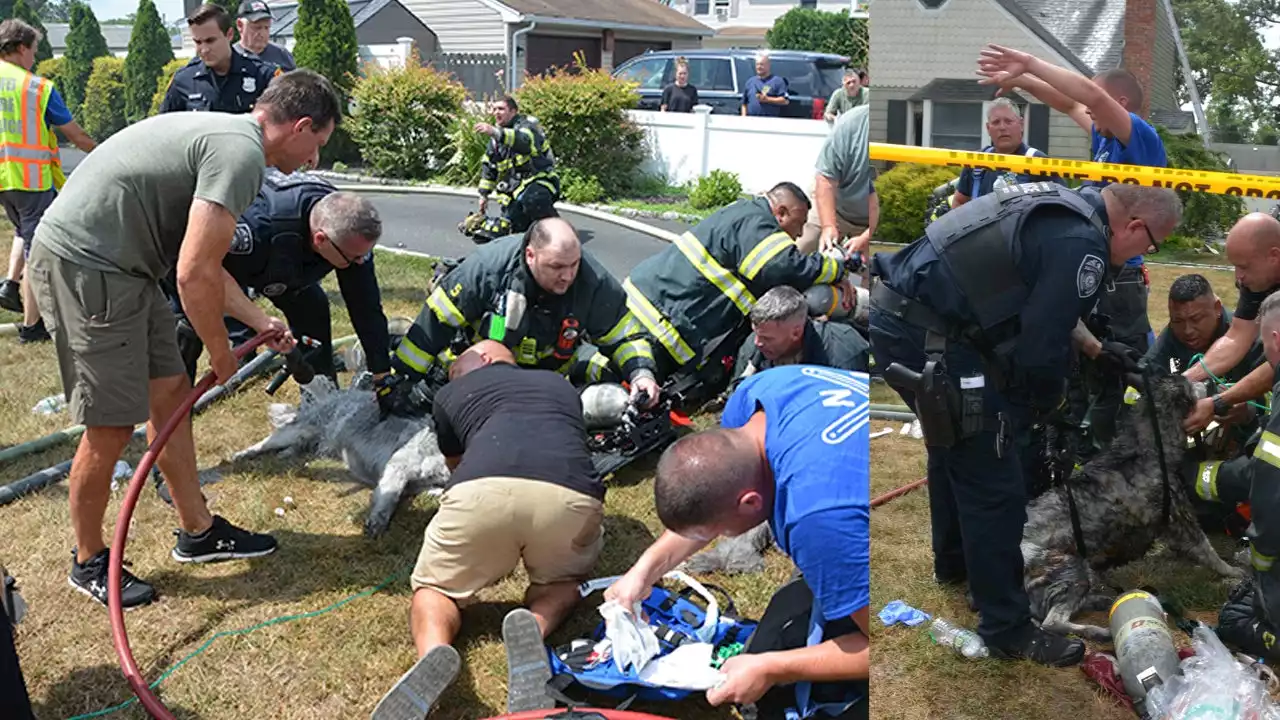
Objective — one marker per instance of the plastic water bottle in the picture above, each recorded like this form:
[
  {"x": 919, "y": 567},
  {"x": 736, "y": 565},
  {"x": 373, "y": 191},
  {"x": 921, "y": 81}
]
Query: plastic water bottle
[
  {"x": 51, "y": 405},
  {"x": 964, "y": 641}
]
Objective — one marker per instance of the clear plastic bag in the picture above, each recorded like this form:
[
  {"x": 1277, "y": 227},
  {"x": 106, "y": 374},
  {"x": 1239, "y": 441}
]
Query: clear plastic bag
[{"x": 1212, "y": 686}]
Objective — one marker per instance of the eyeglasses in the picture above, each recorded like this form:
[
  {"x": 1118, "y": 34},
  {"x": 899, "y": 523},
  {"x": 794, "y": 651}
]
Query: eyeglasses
[
  {"x": 357, "y": 261},
  {"x": 1153, "y": 248}
]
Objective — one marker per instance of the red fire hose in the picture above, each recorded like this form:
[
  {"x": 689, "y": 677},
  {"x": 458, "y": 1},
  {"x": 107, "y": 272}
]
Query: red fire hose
[
  {"x": 115, "y": 567},
  {"x": 882, "y": 499}
]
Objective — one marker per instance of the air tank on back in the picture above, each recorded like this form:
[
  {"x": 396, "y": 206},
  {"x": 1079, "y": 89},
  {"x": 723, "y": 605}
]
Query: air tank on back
[{"x": 604, "y": 405}]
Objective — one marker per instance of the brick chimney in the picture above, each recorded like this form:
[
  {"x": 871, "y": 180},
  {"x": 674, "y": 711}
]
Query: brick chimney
[{"x": 1139, "y": 45}]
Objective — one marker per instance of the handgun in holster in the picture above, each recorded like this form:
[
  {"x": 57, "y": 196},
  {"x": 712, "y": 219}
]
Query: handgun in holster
[{"x": 935, "y": 398}]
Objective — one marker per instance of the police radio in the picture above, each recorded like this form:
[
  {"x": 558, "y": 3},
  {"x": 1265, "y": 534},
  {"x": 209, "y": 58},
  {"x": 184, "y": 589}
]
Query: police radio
[{"x": 567, "y": 340}]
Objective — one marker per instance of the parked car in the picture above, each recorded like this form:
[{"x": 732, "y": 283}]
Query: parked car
[{"x": 720, "y": 76}]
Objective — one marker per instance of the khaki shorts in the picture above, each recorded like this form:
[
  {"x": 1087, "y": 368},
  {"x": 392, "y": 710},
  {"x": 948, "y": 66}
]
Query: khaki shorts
[
  {"x": 808, "y": 240},
  {"x": 114, "y": 333},
  {"x": 484, "y": 527}
]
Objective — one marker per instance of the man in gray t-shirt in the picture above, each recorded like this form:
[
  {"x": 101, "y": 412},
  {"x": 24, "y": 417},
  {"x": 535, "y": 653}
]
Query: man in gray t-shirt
[
  {"x": 845, "y": 205},
  {"x": 254, "y": 24},
  {"x": 163, "y": 192}
]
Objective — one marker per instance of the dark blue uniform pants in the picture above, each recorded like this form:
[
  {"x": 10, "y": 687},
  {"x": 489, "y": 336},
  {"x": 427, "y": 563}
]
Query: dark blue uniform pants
[
  {"x": 14, "y": 701},
  {"x": 977, "y": 499},
  {"x": 307, "y": 312}
]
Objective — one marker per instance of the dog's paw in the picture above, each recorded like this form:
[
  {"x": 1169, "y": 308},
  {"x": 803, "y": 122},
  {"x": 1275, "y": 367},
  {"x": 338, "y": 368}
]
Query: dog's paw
[{"x": 375, "y": 526}]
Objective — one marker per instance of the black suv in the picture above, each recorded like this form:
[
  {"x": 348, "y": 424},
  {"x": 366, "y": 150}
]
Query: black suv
[{"x": 720, "y": 76}]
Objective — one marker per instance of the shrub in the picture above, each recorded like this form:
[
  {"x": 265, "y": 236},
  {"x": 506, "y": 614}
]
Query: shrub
[
  {"x": 52, "y": 70},
  {"x": 717, "y": 189},
  {"x": 326, "y": 43},
  {"x": 150, "y": 49},
  {"x": 404, "y": 118},
  {"x": 84, "y": 45},
  {"x": 162, "y": 83},
  {"x": 467, "y": 148},
  {"x": 102, "y": 112},
  {"x": 583, "y": 112},
  {"x": 578, "y": 188},
  {"x": 1205, "y": 216},
  {"x": 904, "y": 199},
  {"x": 23, "y": 11},
  {"x": 821, "y": 31}
]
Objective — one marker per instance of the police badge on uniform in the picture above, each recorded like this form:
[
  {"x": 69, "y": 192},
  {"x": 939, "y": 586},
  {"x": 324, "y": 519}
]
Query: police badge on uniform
[
  {"x": 250, "y": 84},
  {"x": 1089, "y": 276},
  {"x": 242, "y": 242}
]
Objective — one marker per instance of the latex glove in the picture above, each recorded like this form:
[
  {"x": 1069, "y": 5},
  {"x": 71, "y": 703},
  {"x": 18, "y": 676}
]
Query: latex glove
[{"x": 1118, "y": 358}]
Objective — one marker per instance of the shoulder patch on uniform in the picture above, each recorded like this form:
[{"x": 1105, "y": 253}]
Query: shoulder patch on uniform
[
  {"x": 242, "y": 242},
  {"x": 1089, "y": 276}
]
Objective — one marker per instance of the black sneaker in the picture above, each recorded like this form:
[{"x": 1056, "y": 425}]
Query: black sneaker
[
  {"x": 418, "y": 690},
  {"x": 91, "y": 579},
  {"x": 1040, "y": 646},
  {"x": 528, "y": 667},
  {"x": 222, "y": 541},
  {"x": 10, "y": 296},
  {"x": 33, "y": 333}
]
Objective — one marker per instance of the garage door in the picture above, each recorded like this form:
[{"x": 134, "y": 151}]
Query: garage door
[
  {"x": 624, "y": 50},
  {"x": 547, "y": 51}
]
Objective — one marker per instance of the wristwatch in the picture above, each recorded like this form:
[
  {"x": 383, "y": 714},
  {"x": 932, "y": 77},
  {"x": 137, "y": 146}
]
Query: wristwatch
[{"x": 1220, "y": 406}]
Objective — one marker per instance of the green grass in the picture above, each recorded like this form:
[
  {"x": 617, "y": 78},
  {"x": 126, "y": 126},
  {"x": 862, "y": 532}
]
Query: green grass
[{"x": 336, "y": 665}]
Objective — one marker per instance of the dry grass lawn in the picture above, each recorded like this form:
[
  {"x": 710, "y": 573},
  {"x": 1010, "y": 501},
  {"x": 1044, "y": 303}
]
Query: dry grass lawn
[
  {"x": 914, "y": 680},
  {"x": 338, "y": 664}
]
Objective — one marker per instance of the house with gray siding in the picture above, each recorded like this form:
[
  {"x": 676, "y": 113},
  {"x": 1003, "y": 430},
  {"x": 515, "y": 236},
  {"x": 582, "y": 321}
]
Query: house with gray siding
[
  {"x": 536, "y": 35},
  {"x": 742, "y": 24},
  {"x": 924, "y": 60}
]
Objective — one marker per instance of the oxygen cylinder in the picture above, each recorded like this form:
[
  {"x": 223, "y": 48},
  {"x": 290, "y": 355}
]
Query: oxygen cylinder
[
  {"x": 834, "y": 302},
  {"x": 1144, "y": 646},
  {"x": 604, "y": 405}
]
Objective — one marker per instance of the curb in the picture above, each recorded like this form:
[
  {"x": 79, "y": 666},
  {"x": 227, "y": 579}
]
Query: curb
[{"x": 362, "y": 183}]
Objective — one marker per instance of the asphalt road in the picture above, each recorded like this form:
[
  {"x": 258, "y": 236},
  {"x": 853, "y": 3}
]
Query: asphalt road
[{"x": 429, "y": 224}]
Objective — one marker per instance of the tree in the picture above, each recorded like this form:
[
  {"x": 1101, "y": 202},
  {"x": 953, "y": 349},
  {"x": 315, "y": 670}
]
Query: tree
[
  {"x": 104, "y": 98},
  {"x": 1233, "y": 69},
  {"x": 84, "y": 45},
  {"x": 58, "y": 11},
  {"x": 23, "y": 11},
  {"x": 326, "y": 43},
  {"x": 821, "y": 31},
  {"x": 150, "y": 48},
  {"x": 6, "y": 9}
]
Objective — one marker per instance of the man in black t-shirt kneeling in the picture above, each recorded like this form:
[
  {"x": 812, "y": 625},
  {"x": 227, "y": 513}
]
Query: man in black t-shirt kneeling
[{"x": 523, "y": 487}]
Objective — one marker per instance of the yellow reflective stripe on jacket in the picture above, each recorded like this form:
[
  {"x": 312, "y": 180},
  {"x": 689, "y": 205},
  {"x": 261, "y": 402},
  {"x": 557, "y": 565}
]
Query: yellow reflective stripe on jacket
[
  {"x": 1207, "y": 480},
  {"x": 656, "y": 324},
  {"x": 413, "y": 356},
  {"x": 630, "y": 350},
  {"x": 487, "y": 184},
  {"x": 626, "y": 327},
  {"x": 1261, "y": 563},
  {"x": 715, "y": 273},
  {"x": 445, "y": 310},
  {"x": 830, "y": 271},
  {"x": 1268, "y": 449},
  {"x": 596, "y": 367},
  {"x": 762, "y": 253}
]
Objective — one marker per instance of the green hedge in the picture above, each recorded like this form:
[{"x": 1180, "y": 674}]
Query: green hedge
[
  {"x": 102, "y": 113},
  {"x": 406, "y": 119},
  {"x": 162, "y": 82},
  {"x": 904, "y": 199}
]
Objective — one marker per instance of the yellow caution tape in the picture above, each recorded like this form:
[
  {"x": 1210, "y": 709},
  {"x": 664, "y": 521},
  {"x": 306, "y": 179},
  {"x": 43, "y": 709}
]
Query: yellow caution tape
[{"x": 1205, "y": 181}]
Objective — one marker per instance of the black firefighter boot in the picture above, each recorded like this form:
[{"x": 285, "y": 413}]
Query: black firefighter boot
[{"x": 1241, "y": 625}]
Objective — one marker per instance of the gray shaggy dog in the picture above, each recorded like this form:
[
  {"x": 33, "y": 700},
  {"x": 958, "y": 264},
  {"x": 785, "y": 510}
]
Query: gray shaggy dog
[
  {"x": 1119, "y": 495},
  {"x": 394, "y": 456}
]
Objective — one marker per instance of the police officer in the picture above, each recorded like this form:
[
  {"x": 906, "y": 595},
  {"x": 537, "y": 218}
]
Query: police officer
[
  {"x": 693, "y": 297},
  {"x": 297, "y": 231},
  {"x": 518, "y": 171},
  {"x": 217, "y": 79},
  {"x": 983, "y": 311},
  {"x": 540, "y": 295},
  {"x": 784, "y": 334},
  {"x": 1251, "y": 616},
  {"x": 254, "y": 24}
]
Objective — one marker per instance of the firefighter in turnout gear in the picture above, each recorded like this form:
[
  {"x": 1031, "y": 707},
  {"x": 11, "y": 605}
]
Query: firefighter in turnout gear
[
  {"x": 972, "y": 324},
  {"x": 518, "y": 172},
  {"x": 539, "y": 294},
  {"x": 694, "y": 297},
  {"x": 1250, "y": 619}
]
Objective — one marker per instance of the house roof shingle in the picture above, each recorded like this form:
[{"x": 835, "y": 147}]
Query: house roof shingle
[
  {"x": 1089, "y": 33},
  {"x": 117, "y": 36},
  {"x": 284, "y": 16},
  {"x": 954, "y": 90},
  {"x": 630, "y": 12}
]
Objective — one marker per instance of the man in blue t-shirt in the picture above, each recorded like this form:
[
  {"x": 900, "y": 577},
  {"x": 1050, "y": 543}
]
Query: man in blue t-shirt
[
  {"x": 794, "y": 452},
  {"x": 764, "y": 94},
  {"x": 1105, "y": 108}
]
